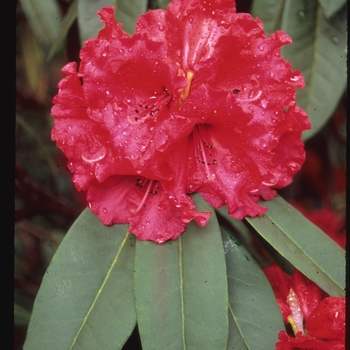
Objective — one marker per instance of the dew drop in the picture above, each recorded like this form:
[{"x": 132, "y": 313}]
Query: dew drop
[
  {"x": 121, "y": 51},
  {"x": 104, "y": 54},
  {"x": 261, "y": 47},
  {"x": 90, "y": 205},
  {"x": 335, "y": 40},
  {"x": 301, "y": 13},
  {"x": 105, "y": 210}
]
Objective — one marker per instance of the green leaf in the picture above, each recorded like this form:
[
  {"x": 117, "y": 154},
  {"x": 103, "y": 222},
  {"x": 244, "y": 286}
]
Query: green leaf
[
  {"x": 128, "y": 11},
  {"x": 86, "y": 297},
  {"x": 181, "y": 289},
  {"x": 303, "y": 244},
  {"x": 89, "y": 22},
  {"x": 319, "y": 50},
  {"x": 163, "y": 4},
  {"x": 44, "y": 19},
  {"x": 331, "y": 6},
  {"x": 270, "y": 12},
  {"x": 255, "y": 318},
  {"x": 67, "y": 22}
]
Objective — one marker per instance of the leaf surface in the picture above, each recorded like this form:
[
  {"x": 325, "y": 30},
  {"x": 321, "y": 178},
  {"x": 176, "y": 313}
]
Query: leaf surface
[
  {"x": 181, "y": 289},
  {"x": 128, "y": 11},
  {"x": 254, "y": 316},
  {"x": 303, "y": 244},
  {"x": 86, "y": 297},
  {"x": 66, "y": 24},
  {"x": 89, "y": 22},
  {"x": 44, "y": 19},
  {"x": 331, "y": 6}
]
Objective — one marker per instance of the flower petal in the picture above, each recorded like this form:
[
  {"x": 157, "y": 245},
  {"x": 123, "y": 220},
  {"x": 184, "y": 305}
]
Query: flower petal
[
  {"x": 327, "y": 321},
  {"x": 153, "y": 213}
]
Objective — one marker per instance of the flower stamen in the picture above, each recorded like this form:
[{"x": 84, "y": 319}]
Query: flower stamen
[
  {"x": 185, "y": 93},
  {"x": 203, "y": 151},
  {"x": 145, "y": 110},
  {"x": 152, "y": 188}
]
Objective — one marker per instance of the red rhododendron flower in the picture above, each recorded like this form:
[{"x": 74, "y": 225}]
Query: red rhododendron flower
[
  {"x": 197, "y": 100},
  {"x": 318, "y": 321}
]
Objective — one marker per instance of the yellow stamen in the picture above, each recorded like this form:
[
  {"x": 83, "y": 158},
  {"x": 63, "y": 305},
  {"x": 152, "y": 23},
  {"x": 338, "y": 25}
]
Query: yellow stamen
[
  {"x": 184, "y": 93},
  {"x": 293, "y": 324}
]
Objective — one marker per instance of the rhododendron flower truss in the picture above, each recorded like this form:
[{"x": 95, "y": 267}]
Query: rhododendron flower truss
[{"x": 197, "y": 100}]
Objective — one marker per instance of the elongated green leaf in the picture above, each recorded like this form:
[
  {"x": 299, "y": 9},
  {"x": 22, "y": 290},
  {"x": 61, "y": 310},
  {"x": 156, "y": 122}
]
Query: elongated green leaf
[
  {"x": 128, "y": 11},
  {"x": 44, "y": 19},
  {"x": 86, "y": 297},
  {"x": 319, "y": 50},
  {"x": 255, "y": 318},
  {"x": 88, "y": 21},
  {"x": 270, "y": 12},
  {"x": 181, "y": 289},
  {"x": 67, "y": 22},
  {"x": 331, "y": 6},
  {"x": 307, "y": 247}
]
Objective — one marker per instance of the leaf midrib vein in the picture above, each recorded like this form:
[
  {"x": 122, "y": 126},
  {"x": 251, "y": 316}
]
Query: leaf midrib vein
[{"x": 100, "y": 290}]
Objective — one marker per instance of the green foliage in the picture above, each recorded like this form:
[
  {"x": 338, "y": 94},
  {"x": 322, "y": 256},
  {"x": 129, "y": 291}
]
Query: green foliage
[
  {"x": 303, "y": 244},
  {"x": 44, "y": 19},
  {"x": 86, "y": 296},
  {"x": 319, "y": 50},
  {"x": 254, "y": 316},
  {"x": 181, "y": 289}
]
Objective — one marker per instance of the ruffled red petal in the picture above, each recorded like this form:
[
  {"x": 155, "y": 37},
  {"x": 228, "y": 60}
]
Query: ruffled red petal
[
  {"x": 302, "y": 341},
  {"x": 327, "y": 321},
  {"x": 153, "y": 213},
  {"x": 197, "y": 100}
]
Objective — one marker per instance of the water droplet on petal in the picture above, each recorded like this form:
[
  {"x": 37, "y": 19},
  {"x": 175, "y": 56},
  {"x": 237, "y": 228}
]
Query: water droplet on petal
[
  {"x": 105, "y": 210},
  {"x": 94, "y": 154},
  {"x": 104, "y": 54}
]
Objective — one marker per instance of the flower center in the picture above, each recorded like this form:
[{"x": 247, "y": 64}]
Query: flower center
[
  {"x": 151, "y": 186},
  {"x": 189, "y": 76},
  {"x": 204, "y": 151},
  {"x": 150, "y": 108}
]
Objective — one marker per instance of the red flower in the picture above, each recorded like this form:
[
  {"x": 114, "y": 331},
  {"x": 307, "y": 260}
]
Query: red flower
[
  {"x": 197, "y": 100},
  {"x": 318, "y": 322}
]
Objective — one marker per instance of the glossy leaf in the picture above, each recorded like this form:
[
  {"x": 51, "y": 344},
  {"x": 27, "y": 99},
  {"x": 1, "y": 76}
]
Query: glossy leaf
[
  {"x": 89, "y": 22},
  {"x": 66, "y": 24},
  {"x": 303, "y": 244},
  {"x": 319, "y": 50},
  {"x": 86, "y": 297},
  {"x": 128, "y": 11},
  {"x": 255, "y": 318},
  {"x": 270, "y": 12},
  {"x": 181, "y": 289},
  {"x": 44, "y": 19},
  {"x": 331, "y": 6}
]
